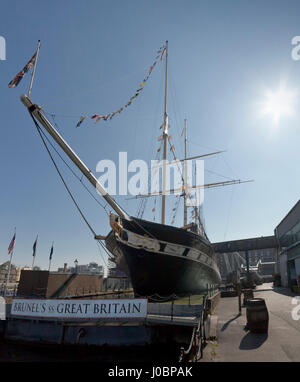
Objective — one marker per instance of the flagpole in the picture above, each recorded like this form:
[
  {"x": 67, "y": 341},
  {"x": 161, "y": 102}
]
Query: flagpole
[
  {"x": 8, "y": 274},
  {"x": 34, "y": 253},
  {"x": 9, "y": 267},
  {"x": 34, "y": 66},
  {"x": 50, "y": 256}
]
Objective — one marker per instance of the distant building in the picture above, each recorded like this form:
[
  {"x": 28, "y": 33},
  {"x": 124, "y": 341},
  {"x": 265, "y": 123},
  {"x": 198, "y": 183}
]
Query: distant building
[
  {"x": 228, "y": 263},
  {"x": 115, "y": 283},
  {"x": 89, "y": 269},
  {"x": 265, "y": 255},
  {"x": 14, "y": 276},
  {"x": 262, "y": 251}
]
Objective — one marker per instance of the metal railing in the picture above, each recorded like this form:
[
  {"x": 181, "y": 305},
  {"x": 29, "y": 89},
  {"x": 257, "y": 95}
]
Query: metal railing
[{"x": 198, "y": 339}]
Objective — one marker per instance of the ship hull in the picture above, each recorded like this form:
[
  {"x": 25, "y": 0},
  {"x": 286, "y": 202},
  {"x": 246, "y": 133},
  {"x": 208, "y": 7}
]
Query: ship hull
[
  {"x": 162, "y": 260},
  {"x": 157, "y": 275}
]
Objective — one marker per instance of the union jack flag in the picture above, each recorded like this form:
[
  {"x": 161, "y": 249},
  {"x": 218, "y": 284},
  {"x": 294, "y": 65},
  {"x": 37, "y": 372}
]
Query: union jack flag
[
  {"x": 12, "y": 244},
  {"x": 21, "y": 74}
]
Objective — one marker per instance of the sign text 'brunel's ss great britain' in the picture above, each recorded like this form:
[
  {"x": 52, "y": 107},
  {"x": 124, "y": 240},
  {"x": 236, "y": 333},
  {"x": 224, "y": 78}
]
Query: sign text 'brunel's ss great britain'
[{"x": 127, "y": 308}]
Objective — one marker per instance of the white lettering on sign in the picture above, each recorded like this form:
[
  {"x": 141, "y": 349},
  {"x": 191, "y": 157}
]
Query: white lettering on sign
[{"x": 127, "y": 308}]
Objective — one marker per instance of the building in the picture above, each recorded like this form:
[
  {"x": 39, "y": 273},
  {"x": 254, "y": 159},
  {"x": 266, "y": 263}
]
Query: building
[
  {"x": 14, "y": 273},
  {"x": 90, "y": 269},
  {"x": 115, "y": 283},
  {"x": 288, "y": 235},
  {"x": 262, "y": 253},
  {"x": 265, "y": 255},
  {"x": 43, "y": 284},
  {"x": 228, "y": 263}
]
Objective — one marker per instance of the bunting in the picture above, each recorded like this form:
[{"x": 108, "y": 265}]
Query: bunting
[
  {"x": 82, "y": 118},
  {"x": 105, "y": 117}
]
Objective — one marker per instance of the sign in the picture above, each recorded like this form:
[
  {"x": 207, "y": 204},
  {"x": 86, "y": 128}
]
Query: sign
[{"x": 96, "y": 309}]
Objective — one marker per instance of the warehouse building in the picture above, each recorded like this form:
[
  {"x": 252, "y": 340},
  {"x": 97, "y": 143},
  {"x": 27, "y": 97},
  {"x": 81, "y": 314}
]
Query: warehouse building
[{"x": 288, "y": 235}]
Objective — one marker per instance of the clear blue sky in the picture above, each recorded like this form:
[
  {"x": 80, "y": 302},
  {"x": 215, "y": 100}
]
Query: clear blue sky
[{"x": 222, "y": 54}]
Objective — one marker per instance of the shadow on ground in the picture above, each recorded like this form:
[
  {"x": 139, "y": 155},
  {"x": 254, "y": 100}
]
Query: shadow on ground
[
  {"x": 224, "y": 327},
  {"x": 284, "y": 291},
  {"x": 252, "y": 341}
]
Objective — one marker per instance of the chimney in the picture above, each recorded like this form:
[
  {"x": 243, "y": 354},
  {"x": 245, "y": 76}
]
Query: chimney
[{"x": 65, "y": 267}]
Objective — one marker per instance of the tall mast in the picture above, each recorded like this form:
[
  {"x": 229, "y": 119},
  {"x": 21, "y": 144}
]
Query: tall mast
[
  {"x": 185, "y": 176},
  {"x": 36, "y": 112},
  {"x": 165, "y": 137}
]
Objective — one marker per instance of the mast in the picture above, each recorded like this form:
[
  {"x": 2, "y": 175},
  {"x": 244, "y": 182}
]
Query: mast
[
  {"x": 36, "y": 112},
  {"x": 185, "y": 177},
  {"x": 165, "y": 137}
]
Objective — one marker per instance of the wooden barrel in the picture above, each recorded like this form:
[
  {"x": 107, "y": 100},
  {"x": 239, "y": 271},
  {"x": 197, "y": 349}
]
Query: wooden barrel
[
  {"x": 248, "y": 293},
  {"x": 257, "y": 315}
]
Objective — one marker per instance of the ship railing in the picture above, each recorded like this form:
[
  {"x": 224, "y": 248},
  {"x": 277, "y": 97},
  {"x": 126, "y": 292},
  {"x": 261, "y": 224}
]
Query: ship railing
[{"x": 198, "y": 339}]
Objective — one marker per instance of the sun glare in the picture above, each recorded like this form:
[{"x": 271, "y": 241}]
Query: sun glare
[{"x": 279, "y": 103}]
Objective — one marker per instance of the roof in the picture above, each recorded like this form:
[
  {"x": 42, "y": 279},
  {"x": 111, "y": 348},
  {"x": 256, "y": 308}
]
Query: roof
[
  {"x": 290, "y": 219},
  {"x": 254, "y": 243}
]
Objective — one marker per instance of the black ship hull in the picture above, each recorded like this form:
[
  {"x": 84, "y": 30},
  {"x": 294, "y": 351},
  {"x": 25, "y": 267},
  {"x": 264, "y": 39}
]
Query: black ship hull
[{"x": 163, "y": 260}]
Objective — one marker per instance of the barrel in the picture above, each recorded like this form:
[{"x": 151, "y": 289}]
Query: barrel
[
  {"x": 257, "y": 315},
  {"x": 248, "y": 293}
]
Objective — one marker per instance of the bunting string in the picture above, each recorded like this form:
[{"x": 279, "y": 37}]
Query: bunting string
[{"x": 109, "y": 116}]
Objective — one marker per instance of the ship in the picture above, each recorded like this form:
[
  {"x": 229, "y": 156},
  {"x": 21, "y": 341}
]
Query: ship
[{"x": 162, "y": 261}]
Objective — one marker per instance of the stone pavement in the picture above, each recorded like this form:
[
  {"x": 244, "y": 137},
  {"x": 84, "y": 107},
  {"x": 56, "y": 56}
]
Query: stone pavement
[{"x": 235, "y": 344}]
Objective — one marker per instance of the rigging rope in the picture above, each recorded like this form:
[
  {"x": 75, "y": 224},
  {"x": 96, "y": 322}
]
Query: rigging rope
[
  {"x": 69, "y": 191},
  {"x": 60, "y": 175},
  {"x": 73, "y": 172},
  {"x": 41, "y": 134}
]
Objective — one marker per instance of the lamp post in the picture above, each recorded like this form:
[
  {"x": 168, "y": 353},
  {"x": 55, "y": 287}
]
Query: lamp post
[{"x": 76, "y": 264}]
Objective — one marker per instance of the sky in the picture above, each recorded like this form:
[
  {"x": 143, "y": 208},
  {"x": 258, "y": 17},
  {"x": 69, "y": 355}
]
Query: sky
[{"x": 225, "y": 58}]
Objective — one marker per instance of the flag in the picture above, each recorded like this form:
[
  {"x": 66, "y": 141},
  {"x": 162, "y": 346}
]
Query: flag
[
  {"x": 163, "y": 52},
  {"x": 21, "y": 74},
  {"x": 82, "y": 118},
  {"x": 51, "y": 253},
  {"x": 34, "y": 247},
  {"x": 12, "y": 244}
]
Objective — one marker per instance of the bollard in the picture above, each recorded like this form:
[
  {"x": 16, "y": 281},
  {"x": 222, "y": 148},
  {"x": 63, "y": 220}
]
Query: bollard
[
  {"x": 248, "y": 293},
  {"x": 238, "y": 289}
]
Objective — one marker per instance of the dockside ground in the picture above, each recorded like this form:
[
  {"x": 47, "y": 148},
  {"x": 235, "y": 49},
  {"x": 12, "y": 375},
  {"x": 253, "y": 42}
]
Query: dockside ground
[{"x": 234, "y": 343}]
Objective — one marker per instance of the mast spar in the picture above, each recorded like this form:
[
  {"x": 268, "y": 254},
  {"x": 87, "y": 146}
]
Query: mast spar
[
  {"x": 165, "y": 137},
  {"x": 185, "y": 176},
  {"x": 36, "y": 112}
]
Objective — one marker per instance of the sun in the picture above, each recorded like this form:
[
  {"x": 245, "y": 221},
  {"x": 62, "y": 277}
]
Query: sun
[{"x": 279, "y": 103}]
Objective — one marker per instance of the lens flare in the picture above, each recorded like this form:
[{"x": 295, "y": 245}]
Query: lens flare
[{"x": 279, "y": 103}]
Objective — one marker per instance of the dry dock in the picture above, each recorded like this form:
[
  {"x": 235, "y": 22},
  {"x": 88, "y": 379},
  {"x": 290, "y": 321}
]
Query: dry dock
[{"x": 235, "y": 344}]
